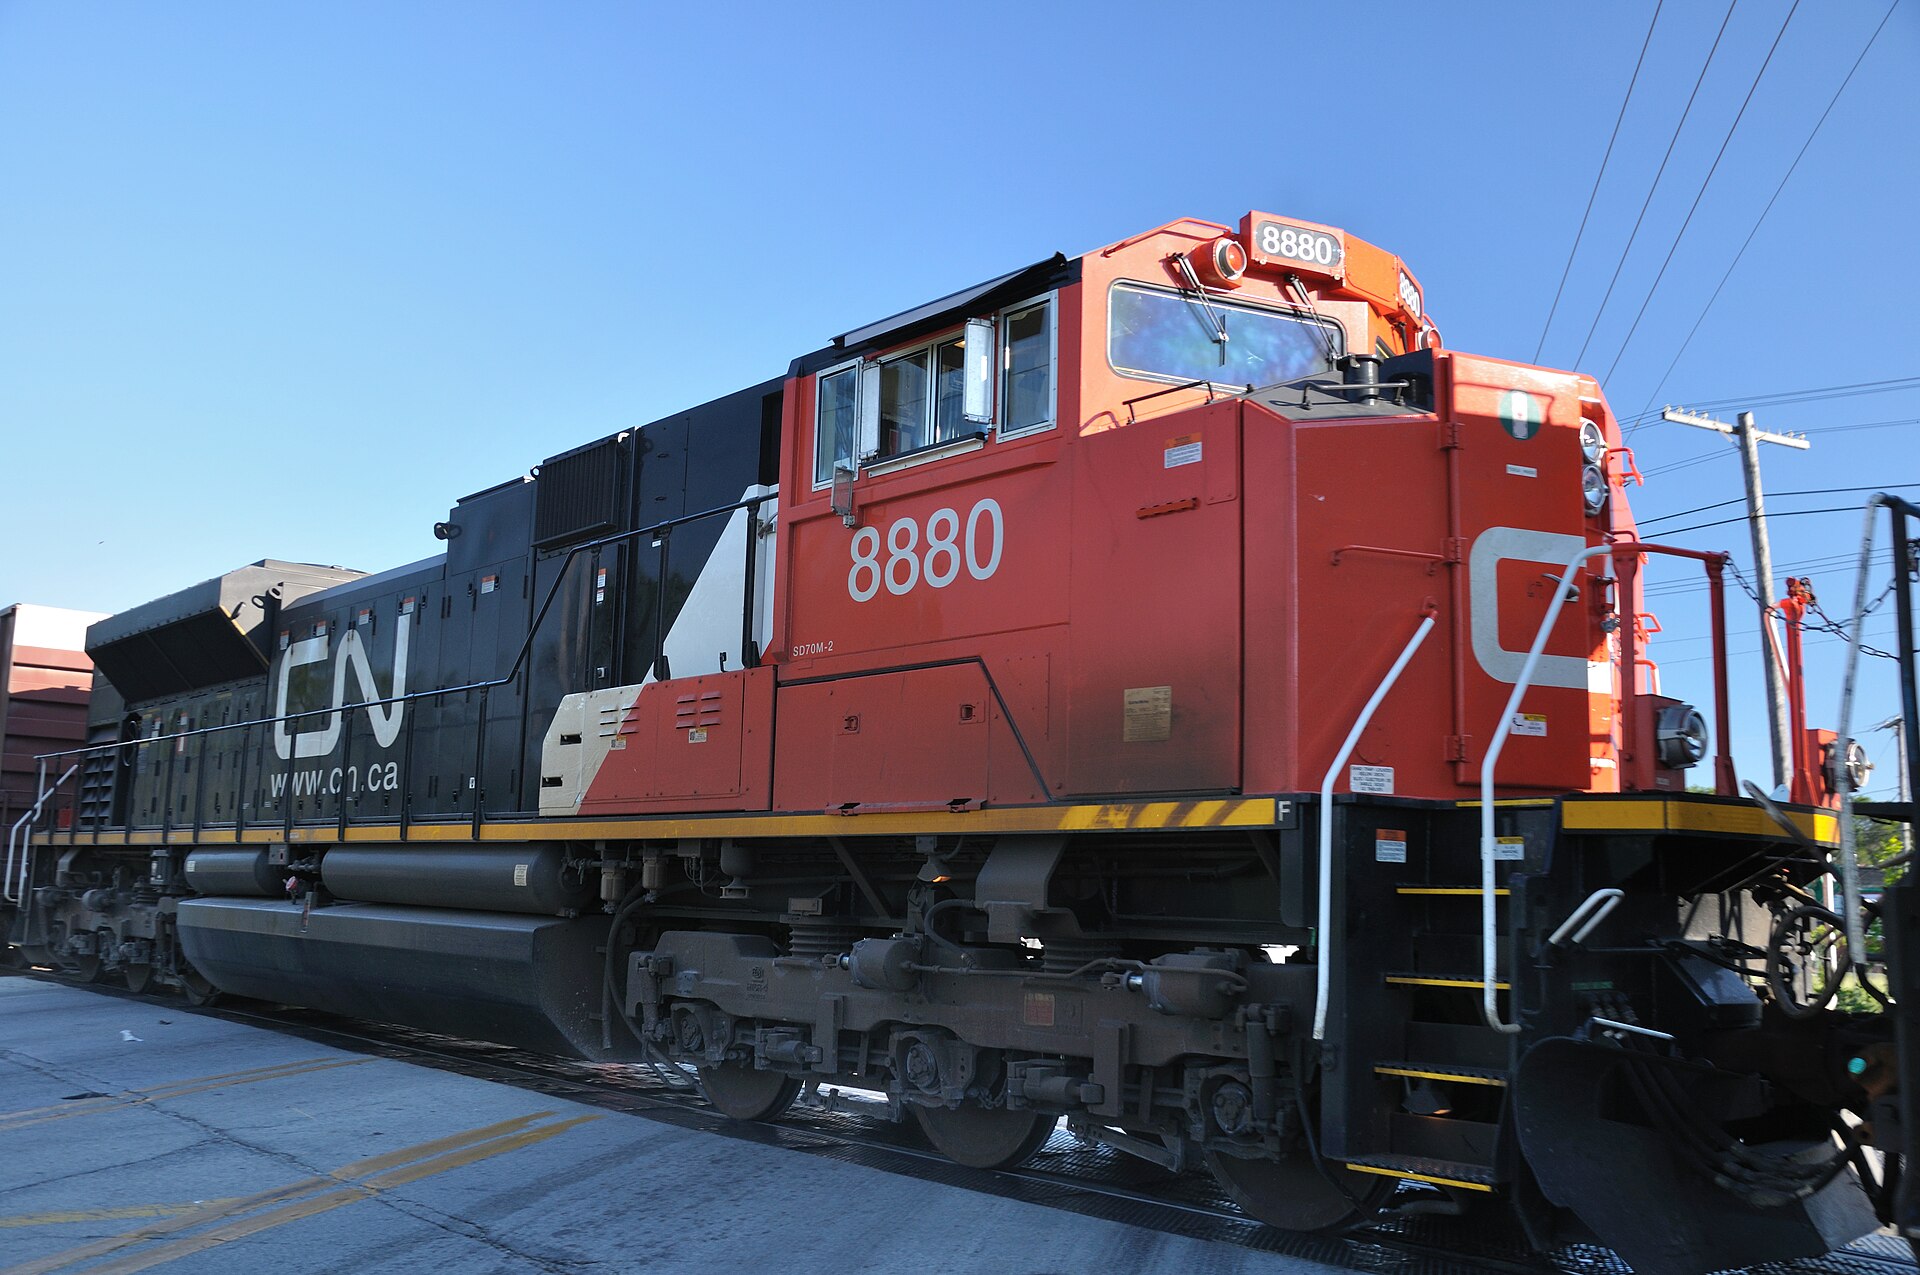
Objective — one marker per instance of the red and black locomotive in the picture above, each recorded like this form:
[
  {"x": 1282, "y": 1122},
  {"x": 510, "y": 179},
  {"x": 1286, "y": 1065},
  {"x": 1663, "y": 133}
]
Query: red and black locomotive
[{"x": 1164, "y": 689}]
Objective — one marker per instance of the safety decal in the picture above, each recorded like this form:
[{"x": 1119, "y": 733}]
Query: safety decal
[
  {"x": 1534, "y": 724},
  {"x": 1377, "y": 780},
  {"x": 1390, "y": 845},
  {"x": 1184, "y": 450},
  {"x": 1511, "y": 849},
  {"x": 1147, "y": 714}
]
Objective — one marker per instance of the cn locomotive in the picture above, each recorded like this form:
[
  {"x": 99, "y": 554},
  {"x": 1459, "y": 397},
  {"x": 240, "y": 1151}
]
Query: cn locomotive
[{"x": 1164, "y": 689}]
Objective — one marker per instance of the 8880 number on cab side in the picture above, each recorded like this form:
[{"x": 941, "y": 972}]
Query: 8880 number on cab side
[{"x": 908, "y": 558}]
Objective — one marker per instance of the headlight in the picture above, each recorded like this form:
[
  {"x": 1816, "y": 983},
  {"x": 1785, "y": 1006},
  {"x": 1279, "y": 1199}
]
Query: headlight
[
  {"x": 1680, "y": 736},
  {"x": 1858, "y": 767},
  {"x": 1593, "y": 442},
  {"x": 1593, "y": 489}
]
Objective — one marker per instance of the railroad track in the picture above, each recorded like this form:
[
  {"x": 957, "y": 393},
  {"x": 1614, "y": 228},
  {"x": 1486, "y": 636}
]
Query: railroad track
[{"x": 1067, "y": 1174}]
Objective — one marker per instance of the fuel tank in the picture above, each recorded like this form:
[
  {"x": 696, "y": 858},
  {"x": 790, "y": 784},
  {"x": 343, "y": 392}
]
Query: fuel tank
[
  {"x": 528, "y": 981},
  {"x": 242, "y": 872},
  {"x": 531, "y": 878}
]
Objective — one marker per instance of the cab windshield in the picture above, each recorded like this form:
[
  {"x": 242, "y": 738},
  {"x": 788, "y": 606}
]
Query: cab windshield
[{"x": 1161, "y": 335}]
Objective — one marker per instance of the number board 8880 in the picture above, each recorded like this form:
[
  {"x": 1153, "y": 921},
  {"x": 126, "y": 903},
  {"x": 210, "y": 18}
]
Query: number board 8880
[{"x": 1317, "y": 250}]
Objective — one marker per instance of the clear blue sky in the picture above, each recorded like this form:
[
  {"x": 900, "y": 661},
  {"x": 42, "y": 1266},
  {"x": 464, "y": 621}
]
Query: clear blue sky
[{"x": 285, "y": 281}]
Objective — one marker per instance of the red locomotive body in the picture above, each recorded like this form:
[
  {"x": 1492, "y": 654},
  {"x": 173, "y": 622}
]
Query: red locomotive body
[{"x": 1164, "y": 690}]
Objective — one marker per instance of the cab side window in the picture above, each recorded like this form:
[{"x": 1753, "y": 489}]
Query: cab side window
[
  {"x": 1027, "y": 358},
  {"x": 835, "y": 420}
]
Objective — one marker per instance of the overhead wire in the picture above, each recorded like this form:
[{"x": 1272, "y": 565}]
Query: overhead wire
[
  {"x": 1701, "y": 193},
  {"x": 1761, "y": 219},
  {"x": 1786, "y": 398},
  {"x": 1634, "y": 233},
  {"x": 1597, "y": 177},
  {"x": 1779, "y": 495}
]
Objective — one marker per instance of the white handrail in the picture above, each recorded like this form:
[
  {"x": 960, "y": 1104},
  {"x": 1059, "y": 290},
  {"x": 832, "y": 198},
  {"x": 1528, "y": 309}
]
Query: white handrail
[
  {"x": 19, "y": 894},
  {"x": 1843, "y": 747},
  {"x": 1489, "y": 940},
  {"x": 1324, "y": 970},
  {"x": 1592, "y": 910}
]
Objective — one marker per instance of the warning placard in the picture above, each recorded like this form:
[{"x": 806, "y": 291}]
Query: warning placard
[
  {"x": 1530, "y": 724},
  {"x": 1377, "y": 780},
  {"x": 1390, "y": 845},
  {"x": 1147, "y": 714}
]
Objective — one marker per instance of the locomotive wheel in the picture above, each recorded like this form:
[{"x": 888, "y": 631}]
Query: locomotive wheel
[
  {"x": 1293, "y": 1195},
  {"x": 199, "y": 992},
  {"x": 90, "y": 968},
  {"x": 985, "y": 1137},
  {"x": 742, "y": 1093},
  {"x": 139, "y": 977}
]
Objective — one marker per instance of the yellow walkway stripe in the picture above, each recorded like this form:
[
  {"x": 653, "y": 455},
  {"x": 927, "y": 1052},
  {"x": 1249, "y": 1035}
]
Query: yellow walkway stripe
[
  {"x": 1419, "y": 1177},
  {"x": 449, "y": 1152},
  {"x": 89, "y": 1106},
  {"x": 1446, "y": 889},
  {"x": 1657, "y": 814},
  {"x": 1421, "y": 980},
  {"x": 1416, "y": 1074},
  {"x": 1226, "y": 812}
]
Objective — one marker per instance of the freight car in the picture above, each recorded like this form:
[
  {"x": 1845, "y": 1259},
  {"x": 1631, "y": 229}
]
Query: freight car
[{"x": 1165, "y": 689}]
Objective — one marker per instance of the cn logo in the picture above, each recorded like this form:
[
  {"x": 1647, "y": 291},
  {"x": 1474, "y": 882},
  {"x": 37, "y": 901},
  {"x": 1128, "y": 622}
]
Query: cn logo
[{"x": 301, "y": 740}]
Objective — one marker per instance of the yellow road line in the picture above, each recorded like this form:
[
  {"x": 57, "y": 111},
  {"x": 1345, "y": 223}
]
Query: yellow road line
[
  {"x": 92, "y": 1105},
  {"x": 148, "y": 1094},
  {"x": 61, "y": 1218},
  {"x": 186, "y": 1246},
  {"x": 451, "y": 1152}
]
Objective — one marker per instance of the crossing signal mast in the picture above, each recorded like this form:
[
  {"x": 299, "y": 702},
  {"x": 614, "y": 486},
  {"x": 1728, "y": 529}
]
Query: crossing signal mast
[{"x": 1749, "y": 437}]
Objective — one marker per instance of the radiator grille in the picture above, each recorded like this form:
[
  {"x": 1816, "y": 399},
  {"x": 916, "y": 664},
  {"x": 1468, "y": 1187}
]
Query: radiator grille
[{"x": 578, "y": 496}]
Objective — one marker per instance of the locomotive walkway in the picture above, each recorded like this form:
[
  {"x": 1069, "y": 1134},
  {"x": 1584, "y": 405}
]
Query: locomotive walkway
[{"x": 135, "y": 1134}]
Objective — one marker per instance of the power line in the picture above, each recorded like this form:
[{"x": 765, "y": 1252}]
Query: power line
[
  {"x": 1791, "y": 513},
  {"x": 1809, "y": 491},
  {"x": 1656, "y": 183},
  {"x": 1595, "y": 192},
  {"x": 1716, "y": 454},
  {"x": 1786, "y": 398},
  {"x": 1848, "y": 429},
  {"x": 1806, "y": 567},
  {"x": 1831, "y": 102},
  {"x": 1701, "y": 193}
]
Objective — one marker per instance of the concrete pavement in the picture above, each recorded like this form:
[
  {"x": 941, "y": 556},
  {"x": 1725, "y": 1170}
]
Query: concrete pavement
[{"x": 135, "y": 1135}]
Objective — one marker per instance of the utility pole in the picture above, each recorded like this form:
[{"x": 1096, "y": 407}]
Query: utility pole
[{"x": 1749, "y": 437}]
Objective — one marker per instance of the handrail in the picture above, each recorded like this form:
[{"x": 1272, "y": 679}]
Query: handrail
[
  {"x": 19, "y": 894},
  {"x": 1899, "y": 511},
  {"x": 1627, "y": 549},
  {"x": 519, "y": 660},
  {"x": 1592, "y": 910},
  {"x": 1323, "y": 973}
]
